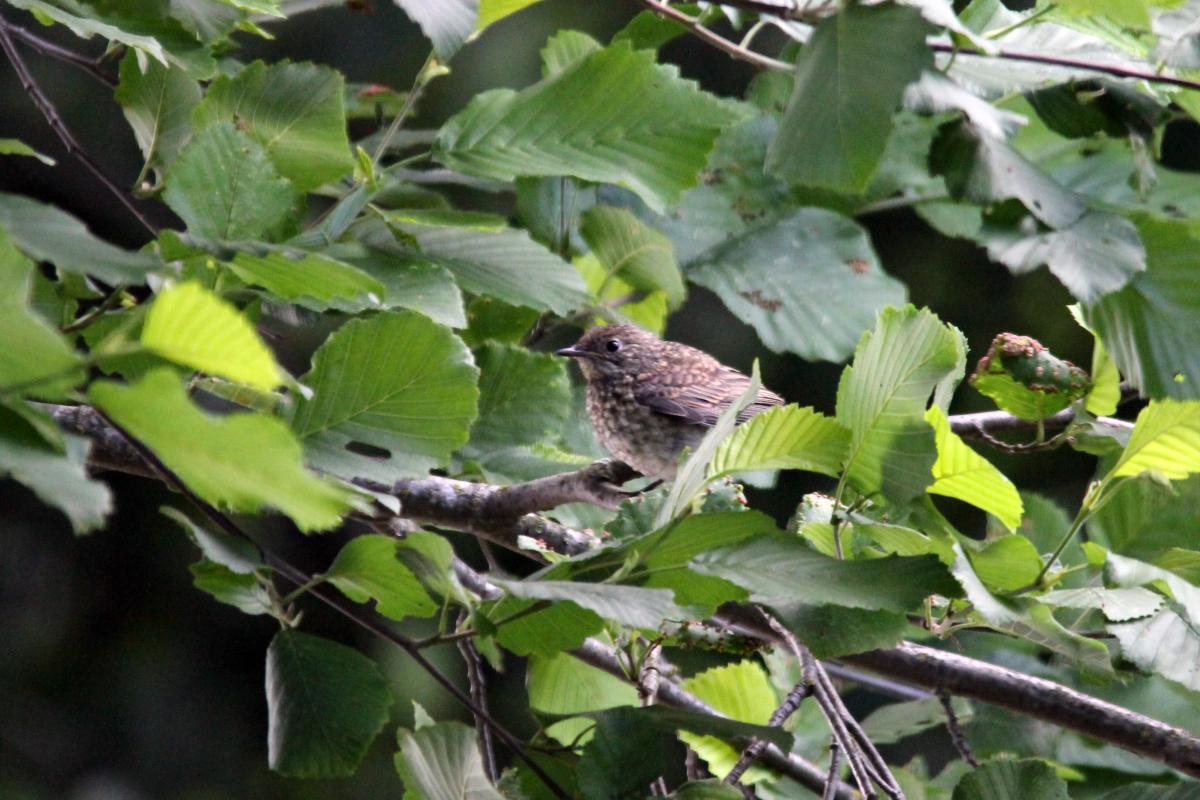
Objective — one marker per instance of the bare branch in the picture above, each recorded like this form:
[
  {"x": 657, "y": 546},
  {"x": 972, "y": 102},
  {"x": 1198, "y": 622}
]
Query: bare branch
[
  {"x": 801, "y": 690},
  {"x": 60, "y": 129},
  {"x": 60, "y": 53},
  {"x": 720, "y": 42},
  {"x": 957, "y": 735},
  {"x": 478, "y": 684}
]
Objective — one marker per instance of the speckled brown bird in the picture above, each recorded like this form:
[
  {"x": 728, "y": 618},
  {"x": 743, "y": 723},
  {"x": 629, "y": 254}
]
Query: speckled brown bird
[{"x": 648, "y": 399}]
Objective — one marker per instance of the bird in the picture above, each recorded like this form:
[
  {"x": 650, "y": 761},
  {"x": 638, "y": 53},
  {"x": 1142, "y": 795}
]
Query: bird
[{"x": 648, "y": 399}]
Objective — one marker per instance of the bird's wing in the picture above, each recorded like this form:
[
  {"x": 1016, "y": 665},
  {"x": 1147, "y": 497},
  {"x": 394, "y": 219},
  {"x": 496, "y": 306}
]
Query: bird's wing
[{"x": 702, "y": 399}]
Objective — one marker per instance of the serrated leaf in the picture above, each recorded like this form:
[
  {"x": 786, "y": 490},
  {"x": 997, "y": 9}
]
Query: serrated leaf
[
  {"x": 295, "y": 111},
  {"x": 242, "y": 591},
  {"x": 962, "y": 473},
  {"x": 808, "y": 282},
  {"x": 523, "y": 396},
  {"x": 982, "y": 169},
  {"x": 1152, "y": 326},
  {"x": 39, "y": 361},
  {"x": 1165, "y": 439},
  {"x": 410, "y": 279},
  {"x": 1117, "y": 605},
  {"x": 46, "y": 233},
  {"x": 632, "y": 251},
  {"x": 564, "y": 48},
  {"x": 1012, "y": 780},
  {"x": 308, "y": 277},
  {"x": 782, "y": 570},
  {"x": 635, "y": 606},
  {"x": 562, "y": 684},
  {"x": 740, "y": 691},
  {"x": 158, "y": 103},
  {"x": 367, "y": 568},
  {"x": 325, "y": 704},
  {"x": 223, "y": 186},
  {"x": 1030, "y": 620},
  {"x": 507, "y": 265},
  {"x": 786, "y": 437},
  {"x": 849, "y": 79},
  {"x": 241, "y": 462},
  {"x": 447, "y": 23},
  {"x": 396, "y": 382},
  {"x": 192, "y": 326},
  {"x": 614, "y": 116},
  {"x": 882, "y": 396},
  {"x": 58, "y": 476}
]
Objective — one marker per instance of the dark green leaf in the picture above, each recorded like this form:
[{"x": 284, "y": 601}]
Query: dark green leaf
[
  {"x": 833, "y": 631},
  {"x": 1012, "y": 780},
  {"x": 562, "y": 626},
  {"x": 245, "y": 592},
  {"x": 849, "y": 81},
  {"x": 523, "y": 396},
  {"x": 614, "y": 116},
  {"x": 223, "y": 186},
  {"x": 237, "y": 555},
  {"x": 624, "y": 756},
  {"x": 397, "y": 382},
  {"x": 158, "y": 103},
  {"x": 638, "y": 254},
  {"x": 895, "y": 721},
  {"x": 325, "y": 703},
  {"x": 635, "y": 606},
  {"x": 808, "y": 282},
  {"x": 313, "y": 279}
]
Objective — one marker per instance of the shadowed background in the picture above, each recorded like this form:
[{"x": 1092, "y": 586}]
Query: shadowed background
[{"x": 119, "y": 680}]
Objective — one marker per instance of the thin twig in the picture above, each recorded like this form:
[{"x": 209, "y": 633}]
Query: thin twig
[
  {"x": 957, "y": 735},
  {"x": 720, "y": 42},
  {"x": 835, "y": 766},
  {"x": 299, "y": 577},
  {"x": 801, "y": 690},
  {"x": 64, "y": 134},
  {"x": 109, "y": 302},
  {"x": 475, "y": 677},
  {"x": 60, "y": 53}
]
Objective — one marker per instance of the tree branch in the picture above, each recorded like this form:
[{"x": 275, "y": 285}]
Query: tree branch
[
  {"x": 60, "y": 129},
  {"x": 720, "y": 42},
  {"x": 60, "y": 53}
]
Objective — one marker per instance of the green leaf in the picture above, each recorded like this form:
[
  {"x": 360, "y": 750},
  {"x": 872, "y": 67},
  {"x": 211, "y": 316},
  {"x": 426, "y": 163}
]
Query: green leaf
[
  {"x": 982, "y": 169},
  {"x": 85, "y": 25},
  {"x": 614, "y": 116},
  {"x": 565, "y": 48},
  {"x": 624, "y": 756},
  {"x": 308, "y": 277},
  {"x": 782, "y": 570},
  {"x": 850, "y": 77},
  {"x": 1117, "y": 605},
  {"x": 649, "y": 312},
  {"x": 1008, "y": 563},
  {"x": 241, "y": 462},
  {"x": 431, "y": 558},
  {"x": 192, "y": 326},
  {"x": 15, "y": 147},
  {"x": 962, "y": 473},
  {"x": 639, "y": 255},
  {"x": 562, "y": 684},
  {"x": 1012, "y": 780},
  {"x": 1126, "y": 13},
  {"x": 57, "y": 475},
  {"x": 896, "y": 721},
  {"x": 367, "y": 568},
  {"x": 882, "y": 396},
  {"x": 1151, "y": 791},
  {"x": 635, "y": 606},
  {"x": 1106, "y": 380},
  {"x": 158, "y": 103},
  {"x": 523, "y": 397},
  {"x": 1093, "y": 256},
  {"x": 223, "y": 186},
  {"x": 295, "y": 111},
  {"x": 1144, "y": 517},
  {"x": 740, "y": 691},
  {"x": 1165, "y": 439},
  {"x": 38, "y": 360},
  {"x": 808, "y": 282},
  {"x": 46, "y": 233},
  {"x": 491, "y": 11},
  {"x": 244, "y": 592},
  {"x": 1126, "y": 572},
  {"x": 442, "y": 762},
  {"x": 562, "y": 626},
  {"x": 710, "y": 789},
  {"x": 1152, "y": 326},
  {"x": 447, "y": 23},
  {"x": 237, "y": 555},
  {"x": 410, "y": 279},
  {"x": 835, "y": 631},
  {"x": 1025, "y": 379},
  {"x": 397, "y": 382},
  {"x": 1031, "y": 620},
  {"x": 786, "y": 437},
  {"x": 507, "y": 265},
  {"x": 325, "y": 705}
]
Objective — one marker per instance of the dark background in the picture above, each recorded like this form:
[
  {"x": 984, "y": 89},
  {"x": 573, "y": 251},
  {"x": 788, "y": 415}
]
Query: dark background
[{"x": 118, "y": 679}]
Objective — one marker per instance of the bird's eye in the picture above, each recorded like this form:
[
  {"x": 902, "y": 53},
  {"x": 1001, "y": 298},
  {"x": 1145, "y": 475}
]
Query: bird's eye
[{"x": 612, "y": 345}]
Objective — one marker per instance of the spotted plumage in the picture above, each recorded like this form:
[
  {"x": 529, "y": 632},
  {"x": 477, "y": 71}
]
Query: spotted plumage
[{"x": 648, "y": 399}]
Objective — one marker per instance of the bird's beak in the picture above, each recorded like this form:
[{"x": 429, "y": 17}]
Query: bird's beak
[{"x": 573, "y": 352}]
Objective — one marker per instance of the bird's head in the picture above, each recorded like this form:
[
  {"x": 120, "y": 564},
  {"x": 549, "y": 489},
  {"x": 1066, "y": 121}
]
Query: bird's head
[{"x": 612, "y": 350}]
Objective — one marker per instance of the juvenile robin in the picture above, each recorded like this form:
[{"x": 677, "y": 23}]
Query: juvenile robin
[{"x": 648, "y": 399}]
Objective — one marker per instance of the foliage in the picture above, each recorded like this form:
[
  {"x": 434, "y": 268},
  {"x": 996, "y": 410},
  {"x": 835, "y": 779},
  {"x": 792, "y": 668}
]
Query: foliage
[{"x": 425, "y": 316}]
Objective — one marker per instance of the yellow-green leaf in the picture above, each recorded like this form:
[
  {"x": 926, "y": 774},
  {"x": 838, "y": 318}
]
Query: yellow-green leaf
[
  {"x": 1165, "y": 439},
  {"x": 787, "y": 437},
  {"x": 192, "y": 326},
  {"x": 740, "y": 691},
  {"x": 962, "y": 473}
]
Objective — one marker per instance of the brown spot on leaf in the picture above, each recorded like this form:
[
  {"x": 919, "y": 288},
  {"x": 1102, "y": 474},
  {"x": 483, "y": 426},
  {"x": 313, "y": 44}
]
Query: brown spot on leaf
[
  {"x": 858, "y": 266},
  {"x": 761, "y": 300}
]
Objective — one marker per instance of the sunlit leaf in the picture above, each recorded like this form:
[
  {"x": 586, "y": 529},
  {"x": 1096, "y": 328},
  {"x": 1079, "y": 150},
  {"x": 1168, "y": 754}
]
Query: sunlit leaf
[{"x": 962, "y": 473}]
